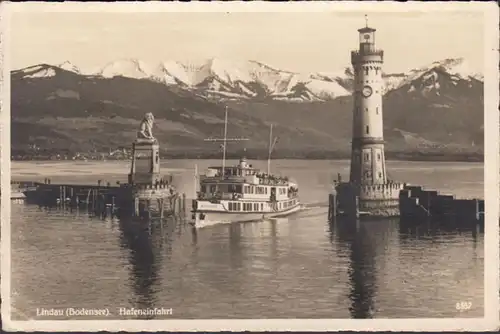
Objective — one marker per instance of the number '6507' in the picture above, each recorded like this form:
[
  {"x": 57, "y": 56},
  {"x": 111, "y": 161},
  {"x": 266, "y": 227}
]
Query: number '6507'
[{"x": 462, "y": 306}]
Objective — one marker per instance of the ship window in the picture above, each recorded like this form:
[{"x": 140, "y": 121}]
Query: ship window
[
  {"x": 261, "y": 206},
  {"x": 238, "y": 189},
  {"x": 367, "y": 129},
  {"x": 230, "y": 206},
  {"x": 265, "y": 188},
  {"x": 256, "y": 207},
  {"x": 238, "y": 207},
  {"x": 203, "y": 189},
  {"x": 212, "y": 189}
]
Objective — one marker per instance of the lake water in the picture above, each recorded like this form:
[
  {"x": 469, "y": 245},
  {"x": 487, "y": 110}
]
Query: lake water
[{"x": 296, "y": 267}]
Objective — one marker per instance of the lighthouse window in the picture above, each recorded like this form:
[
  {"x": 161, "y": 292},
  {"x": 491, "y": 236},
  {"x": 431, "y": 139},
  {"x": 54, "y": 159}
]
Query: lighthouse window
[
  {"x": 367, "y": 129},
  {"x": 376, "y": 110},
  {"x": 378, "y": 156},
  {"x": 366, "y": 109},
  {"x": 366, "y": 70},
  {"x": 379, "y": 175},
  {"x": 367, "y": 156}
]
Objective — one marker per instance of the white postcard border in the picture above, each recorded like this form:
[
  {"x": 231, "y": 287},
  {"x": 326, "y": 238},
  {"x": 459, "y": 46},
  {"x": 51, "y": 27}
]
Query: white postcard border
[{"x": 490, "y": 320}]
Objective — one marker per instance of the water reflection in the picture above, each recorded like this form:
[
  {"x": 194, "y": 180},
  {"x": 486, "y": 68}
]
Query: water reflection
[
  {"x": 362, "y": 269},
  {"x": 275, "y": 268},
  {"x": 369, "y": 244},
  {"x": 145, "y": 257}
]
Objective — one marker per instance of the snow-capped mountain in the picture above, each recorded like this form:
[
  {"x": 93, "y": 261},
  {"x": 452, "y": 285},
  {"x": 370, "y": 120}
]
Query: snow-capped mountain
[
  {"x": 225, "y": 79},
  {"x": 440, "y": 103}
]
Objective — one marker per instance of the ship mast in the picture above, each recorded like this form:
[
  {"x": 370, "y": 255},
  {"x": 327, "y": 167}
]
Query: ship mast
[
  {"x": 271, "y": 147},
  {"x": 224, "y": 142}
]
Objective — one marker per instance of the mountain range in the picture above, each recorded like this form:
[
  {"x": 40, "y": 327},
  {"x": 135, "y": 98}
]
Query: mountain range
[{"x": 435, "y": 108}]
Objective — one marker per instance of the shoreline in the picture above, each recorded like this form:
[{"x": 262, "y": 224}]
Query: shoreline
[{"x": 431, "y": 158}]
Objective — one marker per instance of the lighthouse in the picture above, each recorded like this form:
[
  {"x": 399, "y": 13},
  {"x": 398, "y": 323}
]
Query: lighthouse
[
  {"x": 368, "y": 192},
  {"x": 367, "y": 151}
]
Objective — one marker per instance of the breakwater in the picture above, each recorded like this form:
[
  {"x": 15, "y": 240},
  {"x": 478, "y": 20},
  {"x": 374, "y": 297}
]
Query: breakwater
[{"x": 140, "y": 200}]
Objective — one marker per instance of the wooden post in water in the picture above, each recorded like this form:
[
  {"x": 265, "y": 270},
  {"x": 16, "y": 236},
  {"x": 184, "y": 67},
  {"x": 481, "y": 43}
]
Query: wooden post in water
[
  {"x": 332, "y": 207},
  {"x": 179, "y": 199},
  {"x": 184, "y": 203},
  {"x": 88, "y": 197},
  {"x": 148, "y": 209},
  {"x": 136, "y": 206},
  {"x": 160, "y": 206},
  {"x": 478, "y": 215},
  {"x": 357, "y": 206}
]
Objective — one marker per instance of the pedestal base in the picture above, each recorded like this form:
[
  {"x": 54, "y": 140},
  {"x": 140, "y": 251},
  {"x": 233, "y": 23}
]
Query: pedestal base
[{"x": 381, "y": 200}]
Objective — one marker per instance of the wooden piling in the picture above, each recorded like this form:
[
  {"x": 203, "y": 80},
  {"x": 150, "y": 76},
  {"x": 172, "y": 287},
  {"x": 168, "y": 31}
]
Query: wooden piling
[
  {"x": 160, "y": 206},
  {"x": 332, "y": 207},
  {"x": 184, "y": 203},
  {"x": 356, "y": 208},
  {"x": 180, "y": 205},
  {"x": 136, "y": 206}
]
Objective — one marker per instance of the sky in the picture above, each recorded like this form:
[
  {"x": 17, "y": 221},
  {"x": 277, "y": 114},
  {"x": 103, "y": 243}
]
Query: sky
[{"x": 294, "y": 41}]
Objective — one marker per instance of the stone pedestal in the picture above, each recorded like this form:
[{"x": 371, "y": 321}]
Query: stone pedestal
[
  {"x": 381, "y": 200},
  {"x": 145, "y": 167}
]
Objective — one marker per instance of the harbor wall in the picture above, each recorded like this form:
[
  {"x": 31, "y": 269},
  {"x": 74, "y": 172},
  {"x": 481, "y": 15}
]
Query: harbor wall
[{"x": 417, "y": 203}]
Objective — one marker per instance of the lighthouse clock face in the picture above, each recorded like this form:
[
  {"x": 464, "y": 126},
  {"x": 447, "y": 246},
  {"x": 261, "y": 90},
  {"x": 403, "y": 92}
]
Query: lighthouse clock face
[{"x": 367, "y": 91}]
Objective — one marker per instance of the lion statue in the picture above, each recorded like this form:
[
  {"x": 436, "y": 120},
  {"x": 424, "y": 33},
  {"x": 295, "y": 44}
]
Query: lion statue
[{"x": 146, "y": 128}]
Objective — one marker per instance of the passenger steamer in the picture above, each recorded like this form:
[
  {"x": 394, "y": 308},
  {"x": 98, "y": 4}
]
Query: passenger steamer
[{"x": 242, "y": 193}]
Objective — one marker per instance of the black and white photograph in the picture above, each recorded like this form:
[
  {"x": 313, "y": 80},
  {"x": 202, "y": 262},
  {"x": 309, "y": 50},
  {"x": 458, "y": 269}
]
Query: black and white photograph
[{"x": 250, "y": 166}]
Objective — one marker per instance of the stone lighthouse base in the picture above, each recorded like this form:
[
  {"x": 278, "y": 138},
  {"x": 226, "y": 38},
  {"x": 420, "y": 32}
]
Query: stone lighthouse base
[{"x": 378, "y": 200}]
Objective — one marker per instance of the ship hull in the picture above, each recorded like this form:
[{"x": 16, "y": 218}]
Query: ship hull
[{"x": 210, "y": 218}]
